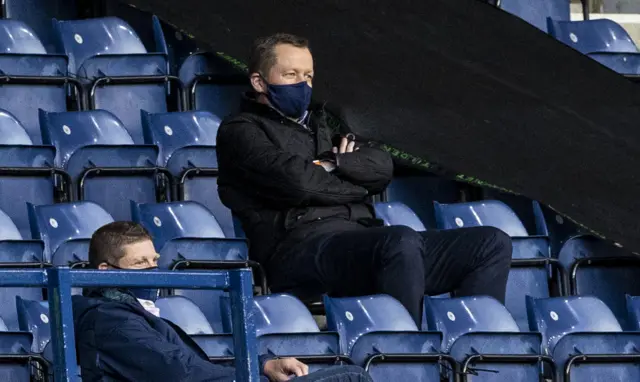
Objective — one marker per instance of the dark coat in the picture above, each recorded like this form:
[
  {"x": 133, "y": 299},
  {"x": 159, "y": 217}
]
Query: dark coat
[
  {"x": 269, "y": 181},
  {"x": 118, "y": 340}
]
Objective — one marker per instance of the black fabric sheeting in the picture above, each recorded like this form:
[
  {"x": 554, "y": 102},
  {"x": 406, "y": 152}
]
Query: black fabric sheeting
[{"x": 464, "y": 84}]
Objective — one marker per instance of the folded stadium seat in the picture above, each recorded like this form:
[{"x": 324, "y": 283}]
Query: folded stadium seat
[
  {"x": 26, "y": 173},
  {"x": 536, "y": 12},
  {"x": 33, "y": 317},
  {"x": 633, "y": 309},
  {"x": 285, "y": 328},
  {"x": 603, "y": 40},
  {"x": 213, "y": 83},
  {"x": 378, "y": 333},
  {"x": 114, "y": 64},
  {"x": 38, "y": 14},
  {"x": 103, "y": 161},
  {"x": 36, "y": 79},
  {"x": 184, "y": 313},
  {"x": 418, "y": 192},
  {"x": 66, "y": 229},
  {"x": 483, "y": 337},
  {"x": 397, "y": 213},
  {"x": 16, "y": 356},
  {"x": 187, "y": 143},
  {"x": 585, "y": 339},
  {"x": 531, "y": 264},
  {"x": 188, "y": 236},
  {"x": 596, "y": 267}
]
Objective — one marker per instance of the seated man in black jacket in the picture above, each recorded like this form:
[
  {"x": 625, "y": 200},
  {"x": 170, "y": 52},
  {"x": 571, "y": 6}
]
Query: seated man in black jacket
[
  {"x": 119, "y": 336},
  {"x": 301, "y": 197}
]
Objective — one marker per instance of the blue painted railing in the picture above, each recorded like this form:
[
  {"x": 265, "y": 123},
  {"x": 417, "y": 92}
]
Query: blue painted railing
[{"x": 59, "y": 281}]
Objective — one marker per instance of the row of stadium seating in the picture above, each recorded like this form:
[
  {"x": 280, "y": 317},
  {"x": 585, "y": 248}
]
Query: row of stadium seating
[
  {"x": 603, "y": 40},
  {"x": 473, "y": 335}
]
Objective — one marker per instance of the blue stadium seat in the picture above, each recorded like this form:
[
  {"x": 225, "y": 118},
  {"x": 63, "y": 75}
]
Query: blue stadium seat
[
  {"x": 603, "y": 40},
  {"x": 633, "y": 309},
  {"x": 108, "y": 168},
  {"x": 66, "y": 228},
  {"x": 108, "y": 54},
  {"x": 22, "y": 54},
  {"x": 536, "y": 12},
  {"x": 418, "y": 192},
  {"x": 38, "y": 14},
  {"x": 217, "y": 346},
  {"x": 188, "y": 236},
  {"x": 187, "y": 148},
  {"x": 33, "y": 317},
  {"x": 285, "y": 327},
  {"x": 184, "y": 313},
  {"x": 378, "y": 333},
  {"x": 397, "y": 213},
  {"x": 34, "y": 183},
  {"x": 531, "y": 264},
  {"x": 584, "y": 338},
  {"x": 13, "y": 249},
  {"x": 3, "y": 326},
  {"x": 601, "y": 269},
  {"x": 213, "y": 83},
  {"x": 16, "y": 345},
  {"x": 476, "y": 329}
]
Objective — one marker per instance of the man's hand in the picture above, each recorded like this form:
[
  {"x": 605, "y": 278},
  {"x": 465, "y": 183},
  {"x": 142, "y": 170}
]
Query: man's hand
[
  {"x": 279, "y": 370},
  {"x": 346, "y": 146}
]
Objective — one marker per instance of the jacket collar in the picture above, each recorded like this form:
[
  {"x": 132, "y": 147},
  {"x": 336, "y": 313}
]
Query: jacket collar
[
  {"x": 251, "y": 105},
  {"x": 114, "y": 294}
]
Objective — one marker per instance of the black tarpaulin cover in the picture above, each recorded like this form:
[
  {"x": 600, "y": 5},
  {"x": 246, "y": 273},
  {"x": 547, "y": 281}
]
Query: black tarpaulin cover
[{"x": 463, "y": 84}]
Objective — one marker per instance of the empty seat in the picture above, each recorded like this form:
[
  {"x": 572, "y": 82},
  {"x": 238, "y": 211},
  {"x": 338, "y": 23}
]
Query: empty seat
[
  {"x": 214, "y": 83},
  {"x": 418, "y": 192},
  {"x": 585, "y": 339},
  {"x": 396, "y": 213},
  {"x": 38, "y": 14},
  {"x": 66, "y": 228},
  {"x": 187, "y": 143},
  {"x": 108, "y": 47},
  {"x": 15, "y": 354},
  {"x": 601, "y": 269},
  {"x": 285, "y": 327},
  {"x": 536, "y": 12},
  {"x": 188, "y": 236},
  {"x": 633, "y": 309},
  {"x": 378, "y": 333},
  {"x": 476, "y": 329},
  {"x": 184, "y": 313},
  {"x": 105, "y": 164},
  {"x": 33, "y": 317},
  {"x": 531, "y": 261},
  {"x": 14, "y": 251},
  {"x": 603, "y": 40},
  {"x": 22, "y": 54}
]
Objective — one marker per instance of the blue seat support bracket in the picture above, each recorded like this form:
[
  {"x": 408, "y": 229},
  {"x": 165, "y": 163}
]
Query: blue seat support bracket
[
  {"x": 161, "y": 194},
  {"x": 598, "y": 358},
  {"x": 443, "y": 359},
  {"x": 467, "y": 369},
  {"x": 612, "y": 261},
  {"x": 237, "y": 79},
  {"x": 135, "y": 80}
]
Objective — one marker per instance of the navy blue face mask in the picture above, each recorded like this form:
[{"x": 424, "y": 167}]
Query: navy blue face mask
[
  {"x": 150, "y": 294},
  {"x": 292, "y": 100}
]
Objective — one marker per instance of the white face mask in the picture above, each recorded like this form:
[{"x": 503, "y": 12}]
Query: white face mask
[{"x": 150, "y": 307}]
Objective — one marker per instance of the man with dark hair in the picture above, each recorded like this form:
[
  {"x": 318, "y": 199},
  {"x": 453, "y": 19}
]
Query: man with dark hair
[
  {"x": 119, "y": 335},
  {"x": 301, "y": 193}
]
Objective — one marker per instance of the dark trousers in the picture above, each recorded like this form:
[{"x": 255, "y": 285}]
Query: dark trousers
[
  {"x": 396, "y": 261},
  {"x": 337, "y": 374}
]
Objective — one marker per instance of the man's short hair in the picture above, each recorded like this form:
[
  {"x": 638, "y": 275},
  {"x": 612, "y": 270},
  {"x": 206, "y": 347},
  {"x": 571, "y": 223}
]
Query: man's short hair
[
  {"x": 263, "y": 55},
  {"x": 106, "y": 245}
]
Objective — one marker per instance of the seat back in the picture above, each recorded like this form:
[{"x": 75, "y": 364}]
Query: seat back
[
  {"x": 633, "y": 308},
  {"x": 605, "y": 271},
  {"x": 11, "y": 130},
  {"x": 536, "y": 12},
  {"x": 559, "y": 316},
  {"x": 33, "y": 317},
  {"x": 82, "y": 39},
  {"x": 166, "y": 221},
  {"x": 71, "y": 131},
  {"x": 491, "y": 213},
  {"x": 275, "y": 314},
  {"x": 59, "y": 223},
  {"x": 184, "y": 313},
  {"x": 353, "y": 317},
  {"x": 16, "y": 37},
  {"x": 455, "y": 317},
  {"x": 174, "y": 131},
  {"x": 593, "y": 36},
  {"x": 8, "y": 230},
  {"x": 397, "y": 213}
]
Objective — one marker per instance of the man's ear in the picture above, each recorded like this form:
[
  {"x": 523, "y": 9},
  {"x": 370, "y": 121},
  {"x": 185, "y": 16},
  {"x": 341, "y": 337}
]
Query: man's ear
[
  {"x": 103, "y": 266},
  {"x": 257, "y": 82}
]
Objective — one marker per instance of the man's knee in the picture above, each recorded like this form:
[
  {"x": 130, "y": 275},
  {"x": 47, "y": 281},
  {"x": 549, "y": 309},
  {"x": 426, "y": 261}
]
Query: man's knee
[
  {"x": 402, "y": 243},
  {"x": 497, "y": 243},
  {"x": 347, "y": 373}
]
